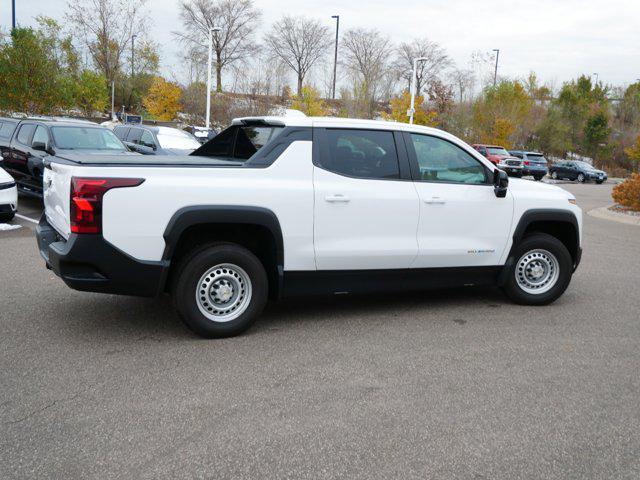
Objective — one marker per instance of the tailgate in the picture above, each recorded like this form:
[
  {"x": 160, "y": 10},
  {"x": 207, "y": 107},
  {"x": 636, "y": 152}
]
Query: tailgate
[{"x": 56, "y": 193}]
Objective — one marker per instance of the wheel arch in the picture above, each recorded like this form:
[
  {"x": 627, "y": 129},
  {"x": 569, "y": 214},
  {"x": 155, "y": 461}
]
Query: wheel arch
[
  {"x": 561, "y": 224},
  {"x": 255, "y": 228}
]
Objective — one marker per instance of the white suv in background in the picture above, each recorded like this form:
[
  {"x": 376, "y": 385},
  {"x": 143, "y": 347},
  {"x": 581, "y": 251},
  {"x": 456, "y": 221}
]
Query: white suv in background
[
  {"x": 283, "y": 206},
  {"x": 8, "y": 197}
]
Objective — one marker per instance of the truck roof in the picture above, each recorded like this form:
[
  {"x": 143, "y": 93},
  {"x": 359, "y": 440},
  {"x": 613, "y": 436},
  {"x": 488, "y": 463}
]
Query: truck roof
[{"x": 304, "y": 121}]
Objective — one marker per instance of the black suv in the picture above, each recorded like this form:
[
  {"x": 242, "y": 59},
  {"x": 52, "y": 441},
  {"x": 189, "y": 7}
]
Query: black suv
[
  {"x": 151, "y": 140},
  {"x": 533, "y": 163},
  {"x": 25, "y": 143},
  {"x": 576, "y": 170}
]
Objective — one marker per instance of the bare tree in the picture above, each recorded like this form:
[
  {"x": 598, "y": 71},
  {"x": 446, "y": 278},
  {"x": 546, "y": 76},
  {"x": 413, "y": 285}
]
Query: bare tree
[
  {"x": 366, "y": 55},
  {"x": 437, "y": 60},
  {"x": 463, "y": 80},
  {"x": 299, "y": 42},
  {"x": 237, "y": 20},
  {"x": 106, "y": 27}
]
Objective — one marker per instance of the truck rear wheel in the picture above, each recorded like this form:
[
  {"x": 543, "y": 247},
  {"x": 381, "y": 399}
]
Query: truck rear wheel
[
  {"x": 541, "y": 271},
  {"x": 220, "y": 289}
]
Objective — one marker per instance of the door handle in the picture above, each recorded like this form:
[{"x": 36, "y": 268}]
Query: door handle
[
  {"x": 337, "y": 199},
  {"x": 435, "y": 201}
]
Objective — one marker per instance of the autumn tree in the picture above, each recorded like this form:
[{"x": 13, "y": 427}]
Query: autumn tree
[
  {"x": 310, "y": 103},
  {"x": 237, "y": 21},
  {"x": 633, "y": 152},
  {"x": 435, "y": 61},
  {"x": 299, "y": 42},
  {"x": 163, "y": 99},
  {"x": 400, "y": 105}
]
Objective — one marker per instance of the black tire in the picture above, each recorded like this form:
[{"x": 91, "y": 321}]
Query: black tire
[
  {"x": 537, "y": 179},
  {"x": 539, "y": 241},
  {"x": 7, "y": 217},
  {"x": 599, "y": 182},
  {"x": 554, "y": 175},
  {"x": 190, "y": 272}
]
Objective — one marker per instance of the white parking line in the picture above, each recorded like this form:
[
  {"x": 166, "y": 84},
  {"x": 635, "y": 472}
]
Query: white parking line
[{"x": 27, "y": 218}]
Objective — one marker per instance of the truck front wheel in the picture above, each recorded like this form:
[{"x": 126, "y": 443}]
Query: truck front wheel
[
  {"x": 541, "y": 270},
  {"x": 220, "y": 289}
]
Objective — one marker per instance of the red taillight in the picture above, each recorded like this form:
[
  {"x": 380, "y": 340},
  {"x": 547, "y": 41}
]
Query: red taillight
[
  {"x": 86, "y": 201},
  {"x": 526, "y": 162}
]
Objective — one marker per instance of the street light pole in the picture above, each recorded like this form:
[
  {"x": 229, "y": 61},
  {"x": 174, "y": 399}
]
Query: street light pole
[
  {"x": 133, "y": 37},
  {"x": 495, "y": 72},
  {"x": 596, "y": 74},
  {"x": 13, "y": 15},
  {"x": 335, "y": 55},
  {"x": 208, "y": 115},
  {"x": 412, "y": 109}
]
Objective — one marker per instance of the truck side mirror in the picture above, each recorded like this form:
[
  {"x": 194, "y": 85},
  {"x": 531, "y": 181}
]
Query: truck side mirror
[
  {"x": 40, "y": 146},
  {"x": 500, "y": 183}
]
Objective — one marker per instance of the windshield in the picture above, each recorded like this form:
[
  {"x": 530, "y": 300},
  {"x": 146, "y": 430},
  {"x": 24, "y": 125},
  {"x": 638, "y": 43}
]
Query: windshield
[
  {"x": 537, "y": 158},
  {"x": 177, "y": 139},
  {"x": 86, "y": 138},
  {"x": 498, "y": 151},
  {"x": 585, "y": 165}
]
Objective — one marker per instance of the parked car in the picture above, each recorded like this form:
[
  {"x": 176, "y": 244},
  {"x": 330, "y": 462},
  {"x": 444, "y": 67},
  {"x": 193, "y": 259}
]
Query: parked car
[
  {"x": 494, "y": 153},
  {"x": 533, "y": 163},
  {"x": 511, "y": 165},
  {"x": 202, "y": 134},
  {"x": 152, "y": 140},
  {"x": 8, "y": 197},
  {"x": 577, "y": 170},
  {"x": 284, "y": 206},
  {"x": 32, "y": 140}
]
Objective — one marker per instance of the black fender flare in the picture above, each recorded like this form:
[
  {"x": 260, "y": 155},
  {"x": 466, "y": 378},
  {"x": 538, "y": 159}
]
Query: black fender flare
[
  {"x": 211, "y": 214},
  {"x": 541, "y": 215}
]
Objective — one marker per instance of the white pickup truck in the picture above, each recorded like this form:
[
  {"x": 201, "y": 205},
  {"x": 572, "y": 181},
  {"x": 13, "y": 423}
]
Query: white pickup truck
[{"x": 280, "y": 206}]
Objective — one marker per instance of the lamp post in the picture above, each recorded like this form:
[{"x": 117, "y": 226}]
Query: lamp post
[
  {"x": 335, "y": 54},
  {"x": 596, "y": 75},
  {"x": 208, "y": 116},
  {"x": 412, "y": 109},
  {"x": 495, "y": 72},
  {"x": 133, "y": 37},
  {"x": 13, "y": 15}
]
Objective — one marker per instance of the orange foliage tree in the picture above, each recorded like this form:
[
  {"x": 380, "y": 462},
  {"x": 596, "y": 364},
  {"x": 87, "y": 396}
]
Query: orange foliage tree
[{"x": 163, "y": 99}]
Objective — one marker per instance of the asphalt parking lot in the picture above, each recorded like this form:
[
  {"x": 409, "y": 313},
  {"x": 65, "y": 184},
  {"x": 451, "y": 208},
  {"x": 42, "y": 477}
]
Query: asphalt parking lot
[{"x": 457, "y": 384}]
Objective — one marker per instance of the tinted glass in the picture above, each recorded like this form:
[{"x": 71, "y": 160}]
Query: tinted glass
[
  {"x": 24, "y": 134},
  {"x": 442, "y": 161},
  {"x": 6, "y": 129},
  {"x": 537, "y": 158},
  {"x": 134, "y": 135},
  {"x": 147, "y": 139},
  {"x": 81, "y": 138},
  {"x": 361, "y": 153},
  {"x": 121, "y": 132},
  {"x": 252, "y": 139},
  {"x": 498, "y": 151},
  {"x": 40, "y": 136}
]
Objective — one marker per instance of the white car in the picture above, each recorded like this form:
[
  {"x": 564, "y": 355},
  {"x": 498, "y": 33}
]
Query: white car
[
  {"x": 8, "y": 197},
  {"x": 275, "y": 207}
]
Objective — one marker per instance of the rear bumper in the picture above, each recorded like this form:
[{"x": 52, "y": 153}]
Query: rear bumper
[
  {"x": 535, "y": 171},
  {"x": 91, "y": 264}
]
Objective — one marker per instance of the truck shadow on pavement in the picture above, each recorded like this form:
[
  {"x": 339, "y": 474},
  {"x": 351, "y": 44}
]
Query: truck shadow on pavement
[{"x": 130, "y": 318}]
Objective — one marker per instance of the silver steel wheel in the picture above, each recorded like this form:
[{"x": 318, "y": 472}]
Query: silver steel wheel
[
  {"x": 581, "y": 178},
  {"x": 223, "y": 292},
  {"x": 537, "y": 271},
  {"x": 554, "y": 175}
]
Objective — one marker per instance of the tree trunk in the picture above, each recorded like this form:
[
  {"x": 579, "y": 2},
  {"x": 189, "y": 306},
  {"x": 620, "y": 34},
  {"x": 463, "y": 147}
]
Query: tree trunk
[
  {"x": 218, "y": 73},
  {"x": 300, "y": 79}
]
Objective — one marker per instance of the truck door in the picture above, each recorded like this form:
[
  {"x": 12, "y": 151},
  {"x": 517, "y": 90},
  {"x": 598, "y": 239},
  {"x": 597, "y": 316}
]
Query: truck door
[
  {"x": 462, "y": 222},
  {"x": 365, "y": 213}
]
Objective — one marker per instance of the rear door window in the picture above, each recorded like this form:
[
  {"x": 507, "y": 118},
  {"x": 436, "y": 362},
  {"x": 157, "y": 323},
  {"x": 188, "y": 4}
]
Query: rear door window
[
  {"x": 7, "y": 129},
  {"x": 25, "y": 133},
  {"x": 361, "y": 153}
]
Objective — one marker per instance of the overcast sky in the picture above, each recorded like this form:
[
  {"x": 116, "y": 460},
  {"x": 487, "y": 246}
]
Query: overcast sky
[{"x": 558, "y": 39}]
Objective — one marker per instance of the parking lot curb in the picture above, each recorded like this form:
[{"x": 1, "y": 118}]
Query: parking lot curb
[{"x": 604, "y": 212}]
